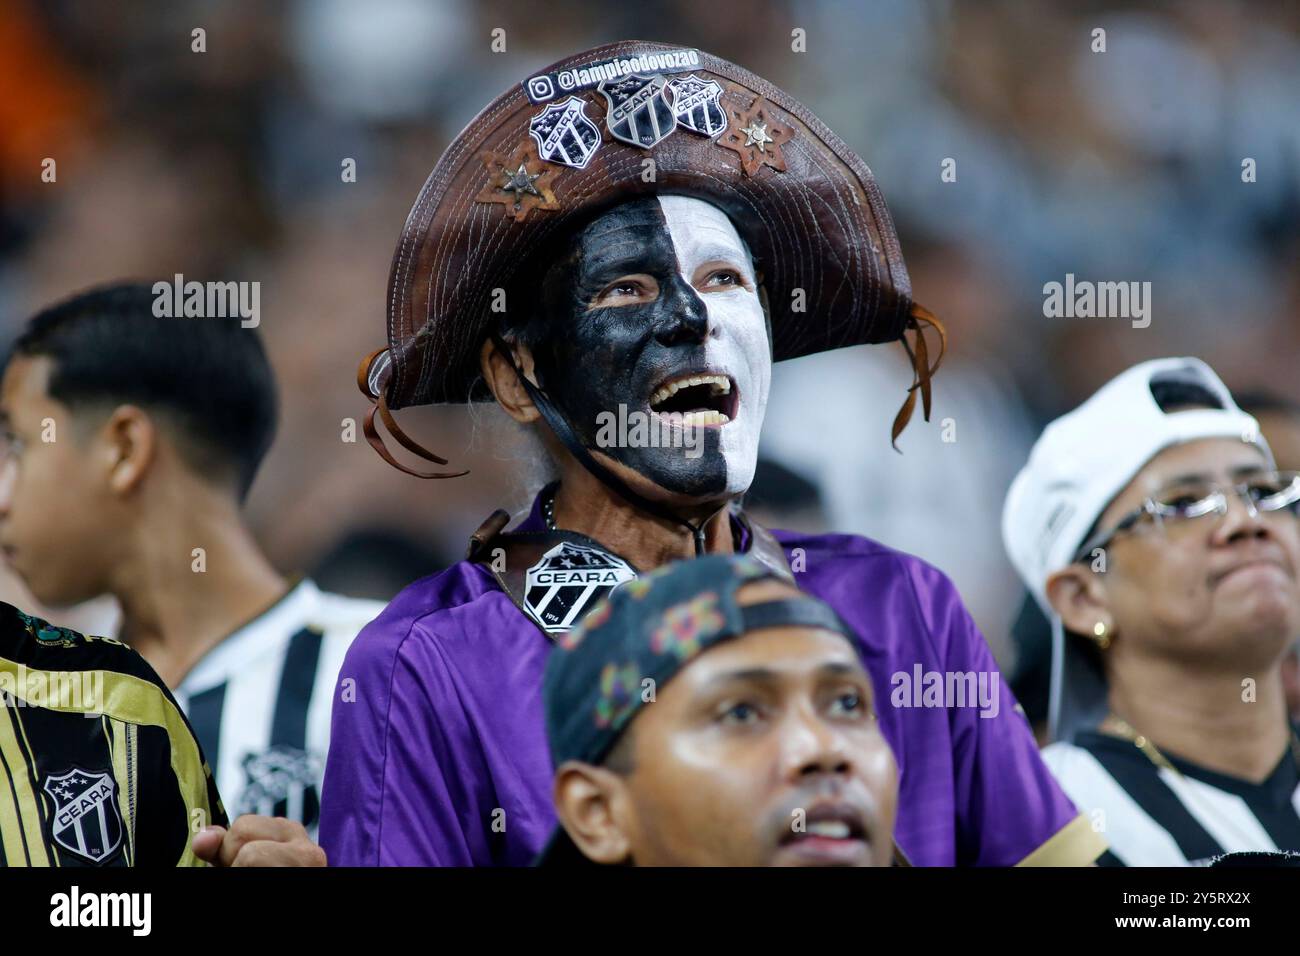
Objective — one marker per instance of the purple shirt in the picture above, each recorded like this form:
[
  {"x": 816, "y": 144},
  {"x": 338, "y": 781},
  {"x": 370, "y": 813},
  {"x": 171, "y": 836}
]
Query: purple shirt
[{"x": 438, "y": 749}]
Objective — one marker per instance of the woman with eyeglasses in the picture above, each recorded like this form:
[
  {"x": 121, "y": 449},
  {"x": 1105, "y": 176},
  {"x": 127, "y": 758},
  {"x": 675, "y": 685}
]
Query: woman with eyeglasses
[{"x": 1155, "y": 531}]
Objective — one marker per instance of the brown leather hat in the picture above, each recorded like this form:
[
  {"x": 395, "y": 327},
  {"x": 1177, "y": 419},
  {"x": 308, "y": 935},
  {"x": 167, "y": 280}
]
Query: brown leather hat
[{"x": 572, "y": 141}]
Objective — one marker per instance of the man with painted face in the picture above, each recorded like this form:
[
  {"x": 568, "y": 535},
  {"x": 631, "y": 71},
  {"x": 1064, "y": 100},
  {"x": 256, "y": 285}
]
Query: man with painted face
[
  {"x": 621, "y": 290},
  {"x": 661, "y": 302}
]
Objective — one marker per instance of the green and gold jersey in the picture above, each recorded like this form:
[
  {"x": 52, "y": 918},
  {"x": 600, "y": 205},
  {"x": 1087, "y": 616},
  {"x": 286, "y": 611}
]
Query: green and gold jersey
[{"x": 98, "y": 766}]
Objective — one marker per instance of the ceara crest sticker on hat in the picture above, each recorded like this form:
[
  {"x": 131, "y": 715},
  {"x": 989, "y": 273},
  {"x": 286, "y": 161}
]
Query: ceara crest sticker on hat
[
  {"x": 639, "y": 112},
  {"x": 564, "y": 134},
  {"x": 568, "y": 581},
  {"x": 697, "y": 105}
]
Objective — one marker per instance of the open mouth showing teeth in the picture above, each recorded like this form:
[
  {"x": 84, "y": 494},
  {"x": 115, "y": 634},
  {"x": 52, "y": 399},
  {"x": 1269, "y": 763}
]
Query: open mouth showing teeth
[
  {"x": 706, "y": 399},
  {"x": 830, "y": 830},
  {"x": 838, "y": 825}
]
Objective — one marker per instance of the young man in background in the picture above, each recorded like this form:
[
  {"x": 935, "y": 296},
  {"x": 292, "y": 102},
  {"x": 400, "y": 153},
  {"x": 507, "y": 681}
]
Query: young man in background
[{"x": 131, "y": 441}]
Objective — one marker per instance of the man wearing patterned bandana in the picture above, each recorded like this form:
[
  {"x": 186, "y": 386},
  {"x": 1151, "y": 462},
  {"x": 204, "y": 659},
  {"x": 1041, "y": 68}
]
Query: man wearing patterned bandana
[
  {"x": 716, "y": 716},
  {"x": 650, "y": 273}
]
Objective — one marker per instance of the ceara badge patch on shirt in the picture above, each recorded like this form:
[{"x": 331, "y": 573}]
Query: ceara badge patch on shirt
[
  {"x": 86, "y": 819},
  {"x": 568, "y": 581}
]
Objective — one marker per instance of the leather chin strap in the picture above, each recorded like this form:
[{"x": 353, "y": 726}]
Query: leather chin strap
[{"x": 568, "y": 435}]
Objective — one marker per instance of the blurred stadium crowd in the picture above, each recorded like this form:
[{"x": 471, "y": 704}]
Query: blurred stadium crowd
[{"x": 1122, "y": 165}]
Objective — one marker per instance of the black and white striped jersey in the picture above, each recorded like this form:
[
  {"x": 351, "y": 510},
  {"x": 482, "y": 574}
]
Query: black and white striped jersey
[
  {"x": 260, "y": 702},
  {"x": 1152, "y": 816}
]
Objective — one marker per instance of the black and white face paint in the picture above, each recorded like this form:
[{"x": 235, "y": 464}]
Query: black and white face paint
[{"x": 653, "y": 309}]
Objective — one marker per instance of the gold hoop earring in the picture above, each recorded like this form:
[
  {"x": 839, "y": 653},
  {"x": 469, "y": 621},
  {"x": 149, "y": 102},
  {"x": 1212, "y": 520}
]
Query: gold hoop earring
[{"x": 1100, "y": 636}]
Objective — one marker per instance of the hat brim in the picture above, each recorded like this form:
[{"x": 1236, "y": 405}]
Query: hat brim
[{"x": 808, "y": 208}]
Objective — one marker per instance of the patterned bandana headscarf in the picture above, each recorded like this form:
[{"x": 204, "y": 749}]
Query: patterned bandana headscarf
[{"x": 648, "y": 629}]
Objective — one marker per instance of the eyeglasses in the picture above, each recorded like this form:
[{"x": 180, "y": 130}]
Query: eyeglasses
[{"x": 1266, "y": 492}]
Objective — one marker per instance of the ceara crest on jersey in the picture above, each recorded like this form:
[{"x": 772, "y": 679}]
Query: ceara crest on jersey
[
  {"x": 568, "y": 580},
  {"x": 85, "y": 820},
  {"x": 281, "y": 782}
]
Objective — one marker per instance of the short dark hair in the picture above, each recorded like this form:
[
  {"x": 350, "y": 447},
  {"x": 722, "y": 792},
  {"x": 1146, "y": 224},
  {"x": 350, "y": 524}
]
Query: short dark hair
[{"x": 209, "y": 376}]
